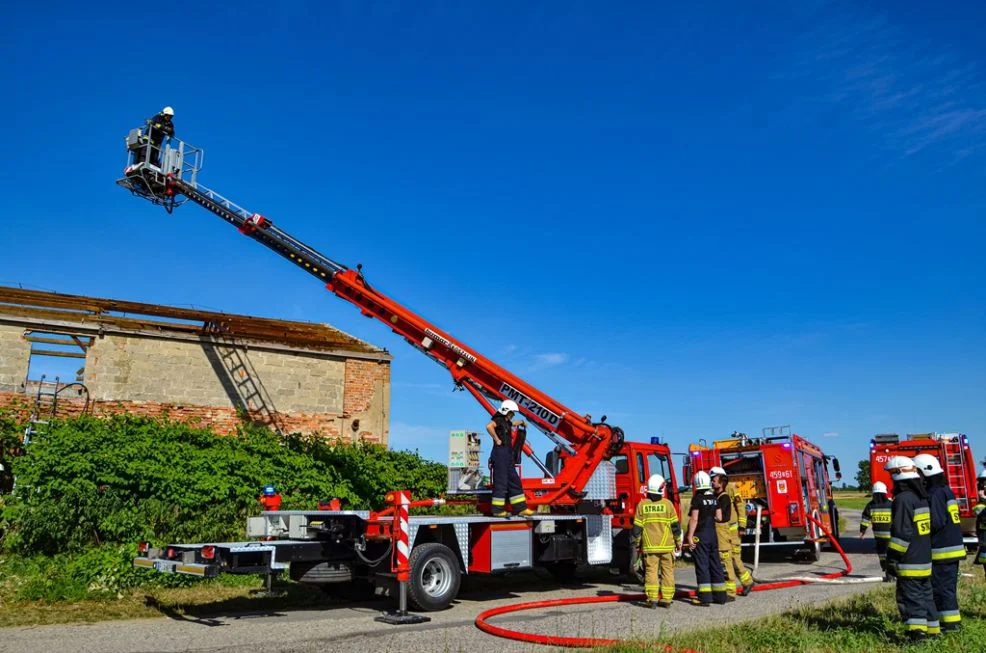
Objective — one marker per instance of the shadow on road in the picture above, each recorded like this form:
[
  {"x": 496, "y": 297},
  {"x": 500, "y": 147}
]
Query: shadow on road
[{"x": 291, "y": 597}]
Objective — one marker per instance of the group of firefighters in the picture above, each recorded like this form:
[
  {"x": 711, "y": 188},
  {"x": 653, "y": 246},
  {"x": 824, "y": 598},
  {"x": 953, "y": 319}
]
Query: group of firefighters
[
  {"x": 712, "y": 536},
  {"x": 918, "y": 534},
  {"x": 918, "y": 537}
]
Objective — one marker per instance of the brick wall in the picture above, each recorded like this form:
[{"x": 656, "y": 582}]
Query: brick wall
[{"x": 367, "y": 397}]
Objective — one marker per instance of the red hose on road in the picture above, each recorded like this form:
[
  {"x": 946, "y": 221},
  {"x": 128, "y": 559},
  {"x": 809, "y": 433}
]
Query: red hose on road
[{"x": 589, "y": 642}]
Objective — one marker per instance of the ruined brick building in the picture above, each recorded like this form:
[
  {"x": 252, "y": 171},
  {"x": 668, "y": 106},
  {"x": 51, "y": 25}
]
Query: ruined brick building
[{"x": 203, "y": 367}]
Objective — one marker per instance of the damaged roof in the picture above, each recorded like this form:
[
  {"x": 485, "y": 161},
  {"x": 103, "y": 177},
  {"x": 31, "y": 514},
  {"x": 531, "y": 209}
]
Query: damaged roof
[{"x": 50, "y": 309}]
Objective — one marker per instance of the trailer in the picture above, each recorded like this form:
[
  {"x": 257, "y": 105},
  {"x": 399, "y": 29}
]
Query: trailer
[
  {"x": 585, "y": 493},
  {"x": 955, "y": 455},
  {"x": 784, "y": 479}
]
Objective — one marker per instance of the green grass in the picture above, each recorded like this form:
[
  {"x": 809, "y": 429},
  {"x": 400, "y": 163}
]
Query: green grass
[
  {"x": 851, "y": 500},
  {"x": 863, "y": 623},
  {"x": 223, "y": 595}
]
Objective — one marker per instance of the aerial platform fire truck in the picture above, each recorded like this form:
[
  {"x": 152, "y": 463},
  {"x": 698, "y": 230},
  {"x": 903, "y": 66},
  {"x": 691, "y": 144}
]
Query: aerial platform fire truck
[
  {"x": 952, "y": 451},
  {"x": 784, "y": 479},
  {"x": 585, "y": 494}
]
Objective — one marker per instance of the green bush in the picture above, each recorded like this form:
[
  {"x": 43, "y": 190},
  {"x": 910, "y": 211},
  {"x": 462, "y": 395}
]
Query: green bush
[{"x": 123, "y": 479}]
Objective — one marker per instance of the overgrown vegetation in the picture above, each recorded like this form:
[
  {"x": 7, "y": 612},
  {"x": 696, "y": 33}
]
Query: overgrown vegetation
[
  {"x": 862, "y": 623},
  {"x": 90, "y": 489}
]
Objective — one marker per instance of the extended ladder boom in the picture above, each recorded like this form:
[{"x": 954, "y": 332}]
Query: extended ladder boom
[{"x": 585, "y": 443}]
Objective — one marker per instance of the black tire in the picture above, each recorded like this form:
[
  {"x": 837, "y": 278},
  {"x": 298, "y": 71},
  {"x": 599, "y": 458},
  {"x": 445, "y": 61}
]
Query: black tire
[
  {"x": 834, "y": 512},
  {"x": 435, "y": 577},
  {"x": 563, "y": 571}
]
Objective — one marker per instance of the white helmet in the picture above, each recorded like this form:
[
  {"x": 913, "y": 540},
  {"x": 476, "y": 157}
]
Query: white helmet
[
  {"x": 702, "y": 481},
  {"x": 167, "y": 111},
  {"x": 656, "y": 484},
  {"x": 879, "y": 488},
  {"x": 894, "y": 462},
  {"x": 508, "y": 406},
  {"x": 903, "y": 468},
  {"x": 927, "y": 464},
  {"x": 982, "y": 475},
  {"x": 717, "y": 471}
]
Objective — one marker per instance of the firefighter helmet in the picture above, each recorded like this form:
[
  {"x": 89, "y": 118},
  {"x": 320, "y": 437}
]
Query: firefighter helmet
[
  {"x": 702, "y": 481},
  {"x": 982, "y": 475},
  {"x": 927, "y": 464},
  {"x": 717, "y": 471},
  {"x": 167, "y": 111},
  {"x": 879, "y": 488},
  {"x": 894, "y": 462},
  {"x": 656, "y": 484},
  {"x": 508, "y": 406},
  {"x": 903, "y": 469}
]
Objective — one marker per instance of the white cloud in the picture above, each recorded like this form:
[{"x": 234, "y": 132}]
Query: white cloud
[
  {"x": 548, "y": 360},
  {"x": 916, "y": 95},
  {"x": 830, "y": 434}
]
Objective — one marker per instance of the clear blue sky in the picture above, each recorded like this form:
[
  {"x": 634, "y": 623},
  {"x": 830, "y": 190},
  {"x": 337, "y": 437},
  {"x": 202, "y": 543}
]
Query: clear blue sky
[{"x": 693, "y": 220}]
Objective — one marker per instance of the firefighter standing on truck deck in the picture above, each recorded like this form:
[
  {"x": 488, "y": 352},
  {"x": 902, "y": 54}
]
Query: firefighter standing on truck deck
[
  {"x": 701, "y": 539},
  {"x": 723, "y": 520},
  {"x": 909, "y": 553},
  {"x": 947, "y": 547},
  {"x": 657, "y": 535},
  {"x": 738, "y": 513},
  {"x": 506, "y": 480},
  {"x": 877, "y": 513}
]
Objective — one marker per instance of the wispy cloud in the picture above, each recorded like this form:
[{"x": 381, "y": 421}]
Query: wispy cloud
[
  {"x": 550, "y": 360},
  {"x": 830, "y": 434},
  {"x": 915, "y": 94}
]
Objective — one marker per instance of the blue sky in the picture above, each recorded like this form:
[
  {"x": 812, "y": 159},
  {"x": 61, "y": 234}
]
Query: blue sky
[{"x": 693, "y": 219}]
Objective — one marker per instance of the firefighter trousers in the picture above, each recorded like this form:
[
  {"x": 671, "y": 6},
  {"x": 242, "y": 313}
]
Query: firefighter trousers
[
  {"x": 916, "y": 603},
  {"x": 708, "y": 571},
  {"x": 944, "y": 586},
  {"x": 881, "y": 551},
  {"x": 743, "y": 575},
  {"x": 726, "y": 558},
  {"x": 506, "y": 481},
  {"x": 659, "y": 576}
]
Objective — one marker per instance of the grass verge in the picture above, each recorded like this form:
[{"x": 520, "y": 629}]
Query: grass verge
[
  {"x": 203, "y": 599},
  {"x": 862, "y": 623}
]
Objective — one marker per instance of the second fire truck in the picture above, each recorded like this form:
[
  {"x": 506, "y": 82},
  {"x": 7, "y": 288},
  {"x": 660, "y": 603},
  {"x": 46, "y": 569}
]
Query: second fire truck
[
  {"x": 784, "y": 479},
  {"x": 953, "y": 452}
]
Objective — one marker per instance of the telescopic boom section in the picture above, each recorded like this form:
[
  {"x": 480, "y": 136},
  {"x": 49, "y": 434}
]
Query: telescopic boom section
[{"x": 585, "y": 443}]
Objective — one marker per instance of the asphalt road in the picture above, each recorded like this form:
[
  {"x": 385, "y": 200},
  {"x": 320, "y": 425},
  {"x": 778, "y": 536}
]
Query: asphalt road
[{"x": 352, "y": 628}]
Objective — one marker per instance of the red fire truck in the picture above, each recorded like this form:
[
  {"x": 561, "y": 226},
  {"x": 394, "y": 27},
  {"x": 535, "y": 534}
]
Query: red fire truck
[
  {"x": 784, "y": 478},
  {"x": 586, "y": 492},
  {"x": 952, "y": 451}
]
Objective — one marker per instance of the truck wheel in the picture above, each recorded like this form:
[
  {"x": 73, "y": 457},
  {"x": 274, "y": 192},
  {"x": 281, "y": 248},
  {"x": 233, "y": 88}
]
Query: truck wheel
[{"x": 435, "y": 577}]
